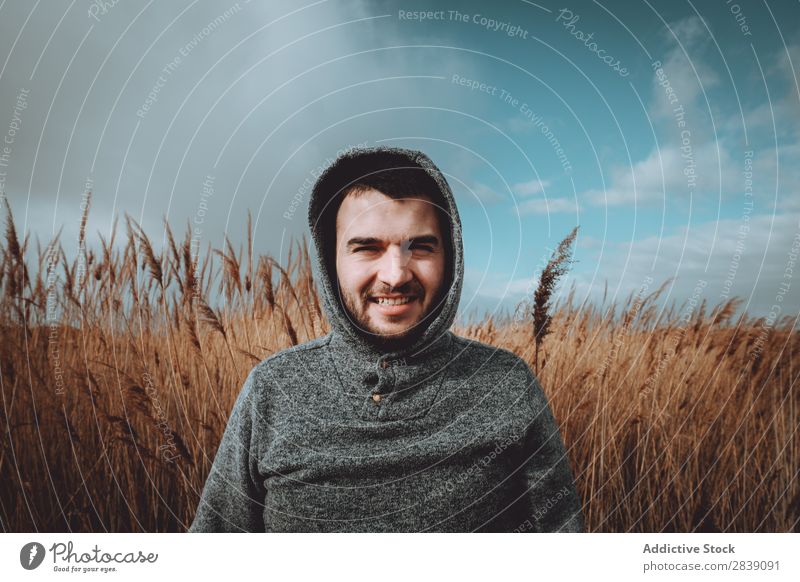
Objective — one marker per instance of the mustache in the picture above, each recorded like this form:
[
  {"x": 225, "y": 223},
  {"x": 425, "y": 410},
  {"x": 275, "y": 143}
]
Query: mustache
[{"x": 410, "y": 288}]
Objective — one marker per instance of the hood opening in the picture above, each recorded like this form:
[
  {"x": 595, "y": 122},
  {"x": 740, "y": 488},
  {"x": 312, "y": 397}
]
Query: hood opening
[{"x": 397, "y": 173}]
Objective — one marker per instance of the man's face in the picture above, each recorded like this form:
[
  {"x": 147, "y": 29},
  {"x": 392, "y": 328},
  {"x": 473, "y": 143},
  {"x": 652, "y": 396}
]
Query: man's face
[{"x": 390, "y": 261}]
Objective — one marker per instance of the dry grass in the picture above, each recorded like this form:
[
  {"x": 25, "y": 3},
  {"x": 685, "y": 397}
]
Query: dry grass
[{"x": 118, "y": 374}]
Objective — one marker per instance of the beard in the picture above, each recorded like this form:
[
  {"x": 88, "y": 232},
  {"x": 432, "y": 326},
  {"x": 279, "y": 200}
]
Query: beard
[{"x": 357, "y": 307}]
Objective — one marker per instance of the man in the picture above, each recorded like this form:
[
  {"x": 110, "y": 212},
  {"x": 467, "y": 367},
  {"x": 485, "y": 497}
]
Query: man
[{"x": 390, "y": 423}]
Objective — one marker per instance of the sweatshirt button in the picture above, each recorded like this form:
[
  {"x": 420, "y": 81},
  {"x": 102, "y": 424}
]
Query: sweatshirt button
[
  {"x": 384, "y": 364},
  {"x": 376, "y": 397}
]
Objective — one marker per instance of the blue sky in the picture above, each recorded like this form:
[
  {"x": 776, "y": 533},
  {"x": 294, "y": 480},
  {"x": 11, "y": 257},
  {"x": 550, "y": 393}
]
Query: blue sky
[{"x": 677, "y": 155}]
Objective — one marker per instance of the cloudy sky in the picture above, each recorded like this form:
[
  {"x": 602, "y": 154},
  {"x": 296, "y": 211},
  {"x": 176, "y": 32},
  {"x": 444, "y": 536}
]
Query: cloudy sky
[{"x": 668, "y": 131}]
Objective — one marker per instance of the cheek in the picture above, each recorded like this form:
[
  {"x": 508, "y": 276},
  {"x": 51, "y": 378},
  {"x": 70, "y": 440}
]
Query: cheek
[
  {"x": 431, "y": 274},
  {"x": 353, "y": 275}
]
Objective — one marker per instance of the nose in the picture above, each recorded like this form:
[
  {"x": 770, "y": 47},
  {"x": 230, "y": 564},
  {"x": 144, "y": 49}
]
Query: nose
[{"x": 394, "y": 268}]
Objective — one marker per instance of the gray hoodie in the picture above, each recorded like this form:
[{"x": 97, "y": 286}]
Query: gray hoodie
[{"x": 462, "y": 438}]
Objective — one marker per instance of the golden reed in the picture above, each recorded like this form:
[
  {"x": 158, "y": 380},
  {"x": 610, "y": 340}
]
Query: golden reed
[{"x": 118, "y": 375}]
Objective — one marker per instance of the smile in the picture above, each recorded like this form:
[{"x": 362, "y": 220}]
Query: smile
[{"x": 393, "y": 300}]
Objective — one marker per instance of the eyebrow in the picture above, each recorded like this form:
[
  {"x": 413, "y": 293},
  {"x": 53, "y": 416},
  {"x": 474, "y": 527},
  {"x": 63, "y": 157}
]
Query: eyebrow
[{"x": 429, "y": 239}]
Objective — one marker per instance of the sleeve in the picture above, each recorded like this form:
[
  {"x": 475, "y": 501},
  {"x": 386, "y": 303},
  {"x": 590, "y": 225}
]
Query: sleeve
[
  {"x": 233, "y": 496},
  {"x": 554, "y": 503}
]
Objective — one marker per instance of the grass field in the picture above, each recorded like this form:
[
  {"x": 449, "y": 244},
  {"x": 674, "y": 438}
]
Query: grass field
[{"x": 117, "y": 379}]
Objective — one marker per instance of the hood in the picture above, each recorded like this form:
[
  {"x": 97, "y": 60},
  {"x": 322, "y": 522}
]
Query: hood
[{"x": 326, "y": 197}]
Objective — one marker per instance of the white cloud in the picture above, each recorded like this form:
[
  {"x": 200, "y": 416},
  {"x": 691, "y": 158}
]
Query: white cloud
[
  {"x": 741, "y": 264},
  {"x": 751, "y": 267},
  {"x": 780, "y": 114},
  {"x": 497, "y": 287},
  {"x": 667, "y": 173},
  {"x": 548, "y": 206},
  {"x": 530, "y": 188},
  {"x": 687, "y": 76}
]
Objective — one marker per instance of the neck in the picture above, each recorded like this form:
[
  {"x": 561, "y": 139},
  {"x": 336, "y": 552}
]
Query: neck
[{"x": 351, "y": 341}]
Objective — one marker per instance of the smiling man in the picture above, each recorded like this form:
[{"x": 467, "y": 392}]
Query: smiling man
[
  {"x": 389, "y": 262},
  {"x": 389, "y": 423}
]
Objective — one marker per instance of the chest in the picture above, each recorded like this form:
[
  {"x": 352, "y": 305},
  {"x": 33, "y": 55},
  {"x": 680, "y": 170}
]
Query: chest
[{"x": 451, "y": 470}]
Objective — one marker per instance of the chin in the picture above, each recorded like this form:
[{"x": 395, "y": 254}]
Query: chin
[
  {"x": 392, "y": 333},
  {"x": 394, "y": 336}
]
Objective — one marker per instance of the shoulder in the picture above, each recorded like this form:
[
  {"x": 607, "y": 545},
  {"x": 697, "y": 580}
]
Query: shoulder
[
  {"x": 290, "y": 356},
  {"x": 485, "y": 363},
  {"x": 499, "y": 366},
  {"x": 286, "y": 364},
  {"x": 491, "y": 359}
]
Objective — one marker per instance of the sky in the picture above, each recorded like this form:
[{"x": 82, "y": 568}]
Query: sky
[{"x": 668, "y": 132}]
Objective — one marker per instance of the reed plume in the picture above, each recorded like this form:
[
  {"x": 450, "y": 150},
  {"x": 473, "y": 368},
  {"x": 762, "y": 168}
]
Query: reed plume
[{"x": 556, "y": 267}]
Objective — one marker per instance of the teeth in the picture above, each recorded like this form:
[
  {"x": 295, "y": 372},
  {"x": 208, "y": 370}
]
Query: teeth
[{"x": 398, "y": 301}]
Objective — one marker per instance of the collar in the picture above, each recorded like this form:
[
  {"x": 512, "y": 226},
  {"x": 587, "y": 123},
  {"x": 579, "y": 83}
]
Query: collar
[{"x": 390, "y": 386}]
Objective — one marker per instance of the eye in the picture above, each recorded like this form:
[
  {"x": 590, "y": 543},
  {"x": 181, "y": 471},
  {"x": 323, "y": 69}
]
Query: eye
[
  {"x": 365, "y": 249},
  {"x": 421, "y": 247}
]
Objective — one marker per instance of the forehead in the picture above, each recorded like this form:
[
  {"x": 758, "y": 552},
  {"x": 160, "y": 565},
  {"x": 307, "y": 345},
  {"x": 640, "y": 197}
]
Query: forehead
[{"x": 377, "y": 215}]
